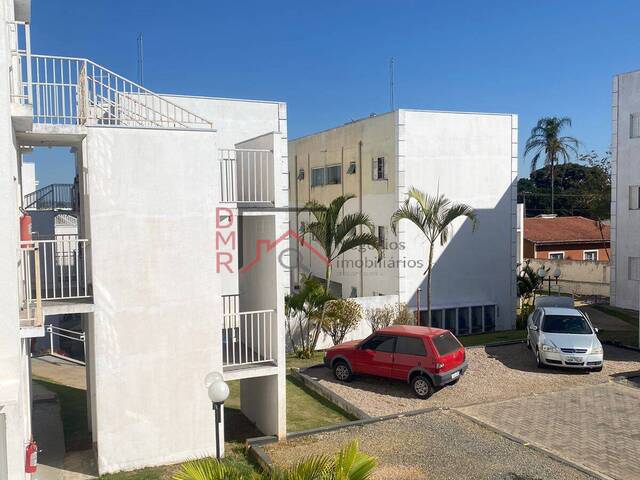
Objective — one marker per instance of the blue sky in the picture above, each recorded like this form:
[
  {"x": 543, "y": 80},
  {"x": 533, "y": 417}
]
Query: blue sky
[{"x": 329, "y": 60}]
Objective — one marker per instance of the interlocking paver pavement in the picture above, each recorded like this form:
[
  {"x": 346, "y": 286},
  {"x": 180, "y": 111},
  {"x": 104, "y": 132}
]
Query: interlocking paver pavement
[{"x": 595, "y": 426}]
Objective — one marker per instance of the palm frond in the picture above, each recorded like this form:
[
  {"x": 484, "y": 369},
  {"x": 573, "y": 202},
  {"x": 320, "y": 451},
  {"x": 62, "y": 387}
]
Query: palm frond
[
  {"x": 411, "y": 212},
  {"x": 349, "y": 223},
  {"x": 207, "y": 469},
  {"x": 360, "y": 240}
]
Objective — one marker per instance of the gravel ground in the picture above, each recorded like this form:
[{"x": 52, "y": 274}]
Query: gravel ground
[
  {"x": 435, "y": 446},
  {"x": 494, "y": 373}
]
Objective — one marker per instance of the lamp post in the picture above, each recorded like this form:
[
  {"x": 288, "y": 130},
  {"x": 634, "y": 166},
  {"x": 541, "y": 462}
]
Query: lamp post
[
  {"x": 542, "y": 272},
  {"x": 556, "y": 275},
  {"x": 218, "y": 392},
  {"x": 418, "y": 322}
]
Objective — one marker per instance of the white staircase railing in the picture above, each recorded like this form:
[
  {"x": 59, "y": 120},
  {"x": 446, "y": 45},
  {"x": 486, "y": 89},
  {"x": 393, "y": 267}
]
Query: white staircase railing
[
  {"x": 246, "y": 176},
  {"x": 62, "y": 267},
  {"x": 248, "y": 338},
  {"x": 76, "y": 91}
]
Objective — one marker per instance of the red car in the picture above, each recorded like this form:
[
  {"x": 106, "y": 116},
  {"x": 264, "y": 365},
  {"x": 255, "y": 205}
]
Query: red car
[{"x": 424, "y": 357}]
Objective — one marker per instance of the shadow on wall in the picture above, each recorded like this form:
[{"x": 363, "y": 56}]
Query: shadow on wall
[{"x": 473, "y": 268}]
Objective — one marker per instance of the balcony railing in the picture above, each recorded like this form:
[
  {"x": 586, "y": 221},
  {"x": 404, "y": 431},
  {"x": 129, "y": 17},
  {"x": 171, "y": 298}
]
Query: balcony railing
[
  {"x": 57, "y": 196},
  {"x": 247, "y": 176},
  {"x": 248, "y": 338},
  {"x": 61, "y": 266}
]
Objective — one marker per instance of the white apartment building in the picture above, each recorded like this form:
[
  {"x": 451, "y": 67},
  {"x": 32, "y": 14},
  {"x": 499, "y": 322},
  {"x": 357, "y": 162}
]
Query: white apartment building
[
  {"x": 625, "y": 191},
  {"x": 176, "y": 195},
  {"x": 468, "y": 157}
]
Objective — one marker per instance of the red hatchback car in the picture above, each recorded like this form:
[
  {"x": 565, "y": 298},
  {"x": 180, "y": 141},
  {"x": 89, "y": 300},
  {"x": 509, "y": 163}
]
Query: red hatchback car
[{"x": 422, "y": 356}]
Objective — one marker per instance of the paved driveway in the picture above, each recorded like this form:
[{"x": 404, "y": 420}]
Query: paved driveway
[{"x": 595, "y": 426}]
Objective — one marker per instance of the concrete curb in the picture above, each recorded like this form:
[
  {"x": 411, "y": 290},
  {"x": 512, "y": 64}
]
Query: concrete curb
[
  {"x": 315, "y": 386},
  {"x": 620, "y": 345},
  {"x": 534, "y": 447}
]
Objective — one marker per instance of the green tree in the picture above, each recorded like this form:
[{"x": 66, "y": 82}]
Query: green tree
[
  {"x": 336, "y": 235},
  {"x": 305, "y": 308},
  {"x": 546, "y": 141},
  {"x": 348, "y": 464},
  {"x": 434, "y": 216},
  {"x": 341, "y": 316}
]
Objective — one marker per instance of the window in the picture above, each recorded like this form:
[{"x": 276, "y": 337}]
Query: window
[
  {"x": 556, "y": 255},
  {"x": 446, "y": 343},
  {"x": 352, "y": 168},
  {"x": 634, "y": 268},
  {"x": 334, "y": 175},
  {"x": 635, "y": 125},
  {"x": 463, "y": 321},
  {"x": 317, "y": 177},
  {"x": 380, "y": 343},
  {"x": 476, "y": 319},
  {"x": 591, "y": 255},
  {"x": 634, "y": 197},
  {"x": 410, "y": 346},
  {"x": 450, "y": 319},
  {"x": 379, "y": 170},
  {"x": 381, "y": 236},
  {"x": 301, "y": 174},
  {"x": 489, "y": 318},
  {"x": 572, "y": 324},
  {"x": 354, "y": 292}
]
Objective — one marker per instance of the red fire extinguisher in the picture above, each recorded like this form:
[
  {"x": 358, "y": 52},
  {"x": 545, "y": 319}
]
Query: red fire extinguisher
[
  {"x": 31, "y": 459},
  {"x": 25, "y": 230}
]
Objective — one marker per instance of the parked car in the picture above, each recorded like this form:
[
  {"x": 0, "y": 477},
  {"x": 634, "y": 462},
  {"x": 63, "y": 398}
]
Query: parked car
[
  {"x": 424, "y": 357},
  {"x": 563, "y": 336}
]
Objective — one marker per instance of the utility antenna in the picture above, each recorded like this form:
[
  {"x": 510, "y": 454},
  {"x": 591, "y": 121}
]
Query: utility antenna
[
  {"x": 140, "y": 59},
  {"x": 391, "y": 86}
]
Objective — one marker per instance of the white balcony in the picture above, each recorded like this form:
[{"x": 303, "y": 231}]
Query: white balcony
[
  {"x": 249, "y": 339},
  {"x": 247, "y": 176}
]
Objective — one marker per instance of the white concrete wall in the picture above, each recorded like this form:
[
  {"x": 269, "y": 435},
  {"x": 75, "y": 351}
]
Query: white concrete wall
[
  {"x": 625, "y": 223},
  {"x": 156, "y": 328},
  {"x": 29, "y": 182},
  {"x": 14, "y": 376},
  {"x": 578, "y": 277},
  {"x": 470, "y": 158}
]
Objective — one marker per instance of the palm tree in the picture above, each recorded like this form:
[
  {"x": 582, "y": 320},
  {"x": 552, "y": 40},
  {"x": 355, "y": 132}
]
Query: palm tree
[
  {"x": 546, "y": 140},
  {"x": 336, "y": 236},
  {"x": 433, "y": 215},
  {"x": 348, "y": 464}
]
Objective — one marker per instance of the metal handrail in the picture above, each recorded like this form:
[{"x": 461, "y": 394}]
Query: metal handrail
[
  {"x": 77, "y": 91},
  {"x": 249, "y": 338},
  {"x": 52, "y": 197},
  {"x": 247, "y": 176}
]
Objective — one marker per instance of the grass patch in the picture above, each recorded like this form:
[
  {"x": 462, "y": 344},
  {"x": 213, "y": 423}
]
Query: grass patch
[
  {"x": 295, "y": 362},
  {"x": 491, "y": 337},
  {"x": 73, "y": 409},
  {"x": 625, "y": 315},
  {"x": 625, "y": 337}
]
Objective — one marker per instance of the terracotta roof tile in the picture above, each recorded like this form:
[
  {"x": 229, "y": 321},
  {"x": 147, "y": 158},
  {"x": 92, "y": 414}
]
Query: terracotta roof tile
[{"x": 564, "y": 229}]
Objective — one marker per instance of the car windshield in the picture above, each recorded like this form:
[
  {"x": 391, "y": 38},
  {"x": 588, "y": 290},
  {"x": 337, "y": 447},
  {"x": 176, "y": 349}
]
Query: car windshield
[{"x": 566, "y": 324}]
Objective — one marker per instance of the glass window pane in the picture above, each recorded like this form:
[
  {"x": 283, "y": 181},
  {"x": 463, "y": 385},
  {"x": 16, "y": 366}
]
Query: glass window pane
[
  {"x": 463, "y": 321},
  {"x": 450, "y": 319},
  {"x": 476, "y": 319},
  {"x": 380, "y": 343},
  {"x": 446, "y": 343},
  {"x": 489, "y": 318},
  {"x": 334, "y": 175},
  {"x": 410, "y": 346},
  {"x": 317, "y": 177},
  {"x": 436, "y": 318}
]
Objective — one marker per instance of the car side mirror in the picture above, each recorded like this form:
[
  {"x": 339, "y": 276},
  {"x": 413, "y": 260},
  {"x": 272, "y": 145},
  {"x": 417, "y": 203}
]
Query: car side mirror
[
  {"x": 533, "y": 328},
  {"x": 596, "y": 329}
]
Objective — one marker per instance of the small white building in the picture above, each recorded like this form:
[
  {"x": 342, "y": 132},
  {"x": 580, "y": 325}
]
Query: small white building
[
  {"x": 468, "y": 157},
  {"x": 174, "y": 267},
  {"x": 625, "y": 191}
]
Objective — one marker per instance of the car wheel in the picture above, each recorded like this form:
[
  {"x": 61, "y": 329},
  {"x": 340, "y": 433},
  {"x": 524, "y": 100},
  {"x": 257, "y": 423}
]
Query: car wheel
[
  {"x": 422, "y": 387},
  {"x": 342, "y": 371},
  {"x": 539, "y": 362}
]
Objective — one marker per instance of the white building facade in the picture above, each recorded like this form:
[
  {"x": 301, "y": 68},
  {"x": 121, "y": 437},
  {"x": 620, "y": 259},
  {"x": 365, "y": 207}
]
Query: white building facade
[
  {"x": 468, "y": 157},
  {"x": 625, "y": 191},
  {"x": 175, "y": 265}
]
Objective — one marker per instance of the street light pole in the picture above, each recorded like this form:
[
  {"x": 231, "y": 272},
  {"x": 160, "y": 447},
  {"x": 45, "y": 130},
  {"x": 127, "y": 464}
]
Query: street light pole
[
  {"x": 418, "y": 322},
  {"x": 218, "y": 392}
]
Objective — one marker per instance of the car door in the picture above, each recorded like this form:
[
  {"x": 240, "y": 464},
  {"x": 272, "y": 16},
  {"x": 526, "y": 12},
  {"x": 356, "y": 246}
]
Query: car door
[
  {"x": 410, "y": 352},
  {"x": 534, "y": 328},
  {"x": 375, "y": 356}
]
